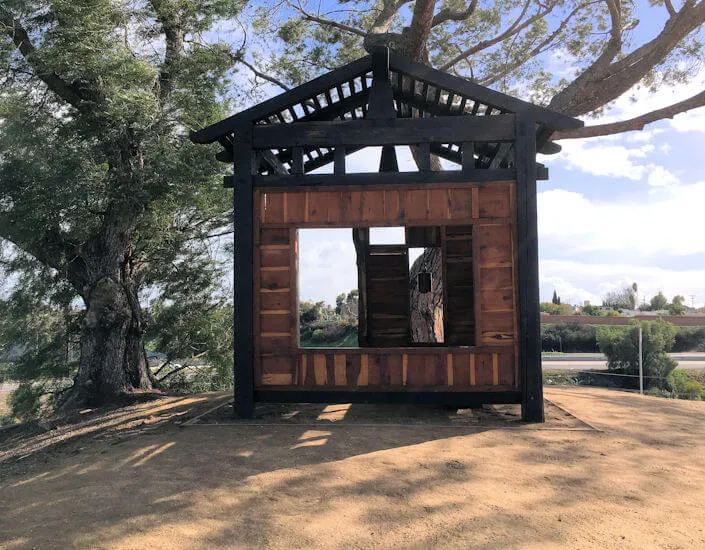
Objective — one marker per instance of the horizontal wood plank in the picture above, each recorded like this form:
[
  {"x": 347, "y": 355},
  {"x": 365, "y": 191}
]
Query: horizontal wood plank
[{"x": 398, "y": 131}]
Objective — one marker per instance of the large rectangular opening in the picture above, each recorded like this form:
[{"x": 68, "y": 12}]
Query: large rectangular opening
[{"x": 386, "y": 287}]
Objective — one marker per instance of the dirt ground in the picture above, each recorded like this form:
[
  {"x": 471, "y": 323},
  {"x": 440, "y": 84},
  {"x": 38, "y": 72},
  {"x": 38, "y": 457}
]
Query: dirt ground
[
  {"x": 629, "y": 472},
  {"x": 4, "y": 402}
]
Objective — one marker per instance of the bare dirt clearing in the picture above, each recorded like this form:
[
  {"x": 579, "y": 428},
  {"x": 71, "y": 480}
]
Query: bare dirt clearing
[{"x": 134, "y": 479}]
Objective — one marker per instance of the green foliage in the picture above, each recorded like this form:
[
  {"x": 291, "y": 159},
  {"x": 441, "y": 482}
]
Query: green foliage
[
  {"x": 595, "y": 311},
  {"x": 322, "y": 325},
  {"x": 677, "y": 306},
  {"x": 659, "y": 302},
  {"x": 112, "y": 146},
  {"x": 590, "y": 310},
  {"x": 569, "y": 338},
  {"x": 621, "y": 347},
  {"x": 689, "y": 339},
  {"x": 683, "y": 385},
  {"x": 556, "y": 299},
  {"x": 624, "y": 298},
  {"x": 556, "y": 309}
]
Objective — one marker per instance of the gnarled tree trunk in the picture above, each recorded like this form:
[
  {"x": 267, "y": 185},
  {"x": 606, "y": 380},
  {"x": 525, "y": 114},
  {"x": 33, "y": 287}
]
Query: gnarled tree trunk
[{"x": 113, "y": 360}]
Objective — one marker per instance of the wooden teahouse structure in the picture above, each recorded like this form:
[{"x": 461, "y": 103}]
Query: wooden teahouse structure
[{"x": 482, "y": 216}]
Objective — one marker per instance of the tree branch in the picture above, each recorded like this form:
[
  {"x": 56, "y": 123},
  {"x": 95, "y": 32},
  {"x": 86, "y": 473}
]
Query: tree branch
[
  {"x": 13, "y": 29},
  {"x": 326, "y": 22},
  {"x": 419, "y": 29},
  {"x": 633, "y": 124},
  {"x": 514, "y": 28},
  {"x": 385, "y": 18},
  {"x": 448, "y": 14},
  {"x": 238, "y": 58},
  {"x": 170, "y": 21},
  {"x": 540, "y": 48},
  {"x": 601, "y": 83},
  {"x": 670, "y": 8}
]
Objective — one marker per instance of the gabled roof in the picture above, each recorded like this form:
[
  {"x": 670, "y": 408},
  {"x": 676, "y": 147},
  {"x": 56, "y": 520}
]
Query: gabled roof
[{"x": 418, "y": 90}]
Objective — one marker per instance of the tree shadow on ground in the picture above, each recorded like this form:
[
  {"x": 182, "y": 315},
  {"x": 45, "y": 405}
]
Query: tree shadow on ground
[{"x": 343, "y": 486}]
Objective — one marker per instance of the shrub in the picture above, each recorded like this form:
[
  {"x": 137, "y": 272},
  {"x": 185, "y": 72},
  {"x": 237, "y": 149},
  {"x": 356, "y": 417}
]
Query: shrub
[
  {"x": 684, "y": 386},
  {"x": 569, "y": 338},
  {"x": 197, "y": 380},
  {"x": 689, "y": 339},
  {"x": 621, "y": 347}
]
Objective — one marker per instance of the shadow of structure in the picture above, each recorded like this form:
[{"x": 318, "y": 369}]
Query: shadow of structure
[{"x": 350, "y": 484}]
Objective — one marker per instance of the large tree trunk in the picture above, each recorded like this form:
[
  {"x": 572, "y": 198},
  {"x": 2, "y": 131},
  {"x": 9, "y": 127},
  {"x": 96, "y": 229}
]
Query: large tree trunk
[
  {"x": 426, "y": 315},
  {"x": 113, "y": 361}
]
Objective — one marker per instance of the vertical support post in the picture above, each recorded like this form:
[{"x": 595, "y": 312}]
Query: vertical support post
[
  {"x": 297, "y": 160},
  {"x": 641, "y": 363},
  {"x": 424, "y": 156},
  {"x": 243, "y": 276},
  {"x": 467, "y": 153},
  {"x": 531, "y": 375},
  {"x": 339, "y": 160}
]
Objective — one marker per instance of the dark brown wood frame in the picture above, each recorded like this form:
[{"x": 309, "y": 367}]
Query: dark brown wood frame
[{"x": 387, "y": 100}]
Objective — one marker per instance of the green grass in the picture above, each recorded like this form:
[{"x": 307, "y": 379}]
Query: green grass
[{"x": 349, "y": 341}]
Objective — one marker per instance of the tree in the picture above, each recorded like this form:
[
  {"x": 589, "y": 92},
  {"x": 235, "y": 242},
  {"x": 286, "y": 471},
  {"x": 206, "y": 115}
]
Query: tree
[
  {"x": 659, "y": 302},
  {"x": 504, "y": 44},
  {"x": 621, "y": 347},
  {"x": 677, "y": 306},
  {"x": 103, "y": 197},
  {"x": 556, "y": 299},
  {"x": 624, "y": 298}
]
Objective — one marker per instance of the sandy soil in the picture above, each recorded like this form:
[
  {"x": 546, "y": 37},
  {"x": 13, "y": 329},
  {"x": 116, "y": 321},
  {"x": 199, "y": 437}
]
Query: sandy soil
[
  {"x": 134, "y": 479},
  {"x": 4, "y": 402}
]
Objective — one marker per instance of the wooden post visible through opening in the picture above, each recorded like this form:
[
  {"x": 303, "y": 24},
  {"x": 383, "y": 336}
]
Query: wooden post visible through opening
[
  {"x": 339, "y": 160},
  {"x": 468, "y": 156},
  {"x": 531, "y": 375},
  {"x": 297, "y": 160}
]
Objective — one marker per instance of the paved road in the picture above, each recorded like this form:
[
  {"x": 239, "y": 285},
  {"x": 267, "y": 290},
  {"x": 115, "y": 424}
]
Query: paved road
[{"x": 602, "y": 365}]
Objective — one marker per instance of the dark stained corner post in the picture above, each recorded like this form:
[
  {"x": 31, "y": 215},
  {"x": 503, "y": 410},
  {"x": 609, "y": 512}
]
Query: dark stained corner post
[
  {"x": 528, "y": 268},
  {"x": 243, "y": 343}
]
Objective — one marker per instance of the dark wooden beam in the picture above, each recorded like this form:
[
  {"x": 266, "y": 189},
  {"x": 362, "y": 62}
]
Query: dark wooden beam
[
  {"x": 388, "y": 160},
  {"x": 528, "y": 270},
  {"x": 424, "y": 155},
  {"x": 451, "y": 176},
  {"x": 461, "y": 86},
  {"x": 468, "y": 156},
  {"x": 243, "y": 275},
  {"x": 389, "y": 178},
  {"x": 285, "y": 100},
  {"x": 455, "y": 399},
  {"x": 339, "y": 160},
  {"x": 297, "y": 161},
  {"x": 385, "y": 132},
  {"x": 381, "y": 102}
]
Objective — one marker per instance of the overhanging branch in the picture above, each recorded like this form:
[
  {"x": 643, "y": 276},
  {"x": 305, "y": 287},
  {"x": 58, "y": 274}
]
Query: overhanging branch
[
  {"x": 16, "y": 32},
  {"x": 633, "y": 124}
]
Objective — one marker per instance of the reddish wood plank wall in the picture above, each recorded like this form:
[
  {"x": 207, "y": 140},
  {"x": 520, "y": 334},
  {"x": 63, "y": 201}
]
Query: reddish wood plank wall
[{"x": 490, "y": 211}]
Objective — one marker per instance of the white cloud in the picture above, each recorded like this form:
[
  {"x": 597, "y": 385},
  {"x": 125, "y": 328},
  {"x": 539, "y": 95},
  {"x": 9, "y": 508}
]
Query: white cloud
[
  {"x": 592, "y": 281},
  {"x": 669, "y": 221},
  {"x": 660, "y": 177},
  {"x": 693, "y": 121},
  {"x": 615, "y": 161},
  {"x": 327, "y": 261}
]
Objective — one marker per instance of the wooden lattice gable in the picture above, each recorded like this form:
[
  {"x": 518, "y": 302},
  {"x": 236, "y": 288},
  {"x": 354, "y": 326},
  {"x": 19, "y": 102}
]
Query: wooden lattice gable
[{"x": 343, "y": 94}]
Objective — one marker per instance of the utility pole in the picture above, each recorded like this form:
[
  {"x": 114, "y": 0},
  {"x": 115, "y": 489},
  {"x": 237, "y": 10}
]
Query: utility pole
[{"x": 641, "y": 365}]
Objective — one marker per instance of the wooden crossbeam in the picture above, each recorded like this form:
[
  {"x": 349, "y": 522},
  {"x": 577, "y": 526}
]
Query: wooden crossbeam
[{"x": 385, "y": 132}]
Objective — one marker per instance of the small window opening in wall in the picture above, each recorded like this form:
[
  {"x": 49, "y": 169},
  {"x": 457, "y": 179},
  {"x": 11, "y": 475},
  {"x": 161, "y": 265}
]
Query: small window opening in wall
[
  {"x": 426, "y": 295},
  {"x": 328, "y": 296}
]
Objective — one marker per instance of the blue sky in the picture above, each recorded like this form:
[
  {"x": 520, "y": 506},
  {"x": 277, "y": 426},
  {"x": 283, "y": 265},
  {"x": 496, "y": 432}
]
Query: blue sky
[{"x": 616, "y": 210}]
